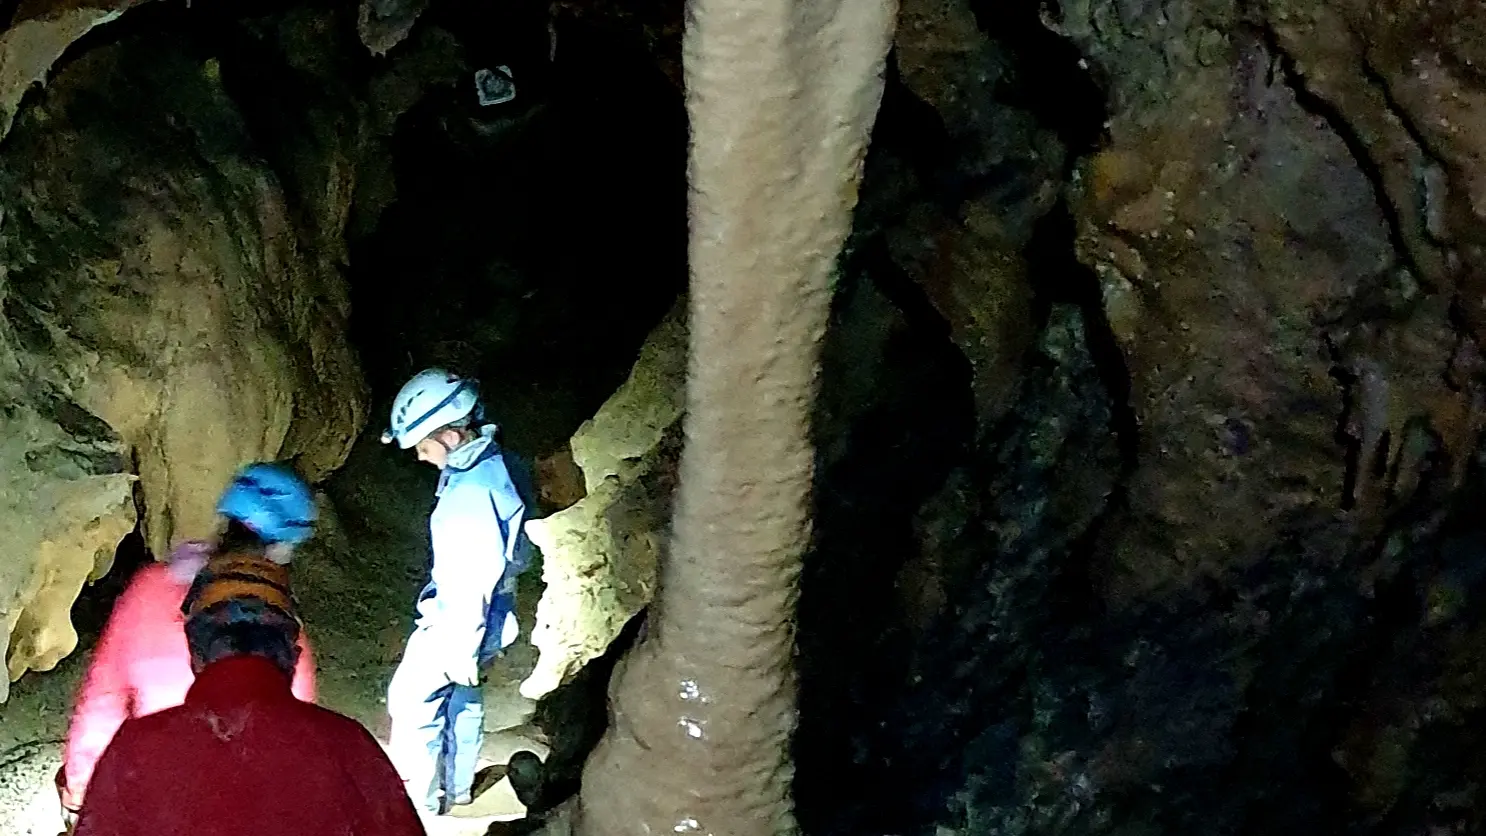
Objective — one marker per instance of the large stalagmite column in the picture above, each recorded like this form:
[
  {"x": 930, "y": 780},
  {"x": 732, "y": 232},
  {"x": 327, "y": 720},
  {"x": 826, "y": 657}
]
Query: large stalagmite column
[{"x": 781, "y": 95}]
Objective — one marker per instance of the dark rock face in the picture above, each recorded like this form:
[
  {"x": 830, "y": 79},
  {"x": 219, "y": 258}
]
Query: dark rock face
[{"x": 1210, "y": 564}]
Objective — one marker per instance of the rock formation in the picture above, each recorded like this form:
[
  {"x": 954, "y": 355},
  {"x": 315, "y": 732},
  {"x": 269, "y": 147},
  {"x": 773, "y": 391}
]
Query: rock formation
[
  {"x": 163, "y": 320},
  {"x": 782, "y": 97},
  {"x": 600, "y": 556},
  {"x": 1205, "y": 573}
]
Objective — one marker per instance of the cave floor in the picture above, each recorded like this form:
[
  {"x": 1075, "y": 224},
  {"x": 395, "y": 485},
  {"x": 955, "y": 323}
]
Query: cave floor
[{"x": 356, "y": 584}]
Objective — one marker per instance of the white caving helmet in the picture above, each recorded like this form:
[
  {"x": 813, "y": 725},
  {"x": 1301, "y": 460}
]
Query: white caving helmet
[{"x": 434, "y": 398}]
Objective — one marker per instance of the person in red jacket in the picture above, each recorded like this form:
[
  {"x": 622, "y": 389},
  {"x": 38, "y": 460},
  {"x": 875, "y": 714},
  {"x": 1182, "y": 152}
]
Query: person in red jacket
[
  {"x": 141, "y": 663},
  {"x": 242, "y": 756}
]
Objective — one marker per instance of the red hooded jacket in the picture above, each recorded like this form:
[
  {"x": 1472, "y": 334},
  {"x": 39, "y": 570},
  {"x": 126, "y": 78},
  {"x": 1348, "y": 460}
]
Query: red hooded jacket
[
  {"x": 142, "y": 665},
  {"x": 242, "y": 757}
]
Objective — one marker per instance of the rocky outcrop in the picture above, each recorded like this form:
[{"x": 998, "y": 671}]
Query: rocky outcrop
[
  {"x": 600, "y": 556},
  {"x": 1197, "y": 552},
  {"x": 1282, "y": 224},
  {"x": 383, "y": 24},
  {"x": 631, "y": 422},
  {"x": 38, "y": 35},
  {"x": 966, "y": 245},
  {"x": 66, "y": 500},
  {"x": 164, "y": 321},
  {"x": 1253, "y": 263}
]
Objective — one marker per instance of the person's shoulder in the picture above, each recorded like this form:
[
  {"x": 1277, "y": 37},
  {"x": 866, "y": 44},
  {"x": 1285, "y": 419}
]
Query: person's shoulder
[
  {"x": 492, "y": 473},
  {"x": 332, "y": 722},
  {"x": 143, "y": 593},
  {"x": 348, "y": 736},
  {"x": 152, "y": 575},
  {"x": 476, "y": 484},
  {"x": 491, "y": 469},
  {"x": 166, "y": 724}
]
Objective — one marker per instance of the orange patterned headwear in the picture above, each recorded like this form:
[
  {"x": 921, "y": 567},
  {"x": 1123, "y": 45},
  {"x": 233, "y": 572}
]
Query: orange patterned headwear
[{"x": 244, "y": 579}]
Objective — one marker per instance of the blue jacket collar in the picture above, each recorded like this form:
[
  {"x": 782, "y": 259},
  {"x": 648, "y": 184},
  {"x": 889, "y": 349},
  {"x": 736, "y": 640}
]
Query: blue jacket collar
[{"x": 469, "y": 454}]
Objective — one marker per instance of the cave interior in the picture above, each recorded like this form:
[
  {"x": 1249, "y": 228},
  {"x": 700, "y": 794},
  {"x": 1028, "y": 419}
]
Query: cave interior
[{"x": 1148, "y": 434}]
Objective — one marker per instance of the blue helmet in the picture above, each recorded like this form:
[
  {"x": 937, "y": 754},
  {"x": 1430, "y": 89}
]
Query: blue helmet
[{"x": 272, "y": 501}]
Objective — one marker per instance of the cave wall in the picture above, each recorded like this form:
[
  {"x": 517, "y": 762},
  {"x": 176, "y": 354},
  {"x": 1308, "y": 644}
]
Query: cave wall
[
  {"x": 1267, "y": 267},
  {"x": 164, "y": 320},
  {"x": 1214, "y": 568}
]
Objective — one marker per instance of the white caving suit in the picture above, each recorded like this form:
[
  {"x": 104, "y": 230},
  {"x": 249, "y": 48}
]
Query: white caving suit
[{"x": 466, "y": 617}]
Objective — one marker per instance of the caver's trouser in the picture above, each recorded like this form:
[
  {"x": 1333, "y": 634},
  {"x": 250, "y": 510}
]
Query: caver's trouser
[{"x": 437, "y": 725}]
